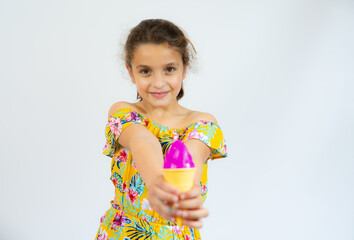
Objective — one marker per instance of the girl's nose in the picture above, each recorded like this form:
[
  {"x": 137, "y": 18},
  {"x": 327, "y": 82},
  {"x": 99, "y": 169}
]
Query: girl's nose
[{"x": 158, "y": 81}]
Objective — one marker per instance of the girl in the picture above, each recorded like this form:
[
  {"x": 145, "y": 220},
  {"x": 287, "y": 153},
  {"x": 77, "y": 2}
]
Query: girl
[{"x": 139, "y": 134}]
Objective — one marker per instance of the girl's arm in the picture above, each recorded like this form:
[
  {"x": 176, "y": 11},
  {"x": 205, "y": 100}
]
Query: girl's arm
[
  {"x": 191, "y": 203},
  {"x": 144, "y": 146},
  {"x": 148, "y": 158},
  {"x": 200, "y": 153},
  {"x": 146, "y": 151}
]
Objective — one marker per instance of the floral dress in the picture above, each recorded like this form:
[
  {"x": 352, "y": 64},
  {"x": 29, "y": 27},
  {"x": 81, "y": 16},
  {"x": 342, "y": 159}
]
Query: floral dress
[{"x": 132, "y": 218}]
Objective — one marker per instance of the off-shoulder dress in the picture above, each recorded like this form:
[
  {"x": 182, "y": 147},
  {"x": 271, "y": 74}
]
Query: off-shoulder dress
[{"x": 132, "y": 218}]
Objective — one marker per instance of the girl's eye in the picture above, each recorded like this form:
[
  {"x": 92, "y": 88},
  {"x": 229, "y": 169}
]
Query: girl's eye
[
  {"x": 144, "y": 71},
  {"x": 170, "y": 69}
]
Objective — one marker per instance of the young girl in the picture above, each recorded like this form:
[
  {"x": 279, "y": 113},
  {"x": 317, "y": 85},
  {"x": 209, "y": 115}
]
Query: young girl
[{"x": 139, "y": 134}]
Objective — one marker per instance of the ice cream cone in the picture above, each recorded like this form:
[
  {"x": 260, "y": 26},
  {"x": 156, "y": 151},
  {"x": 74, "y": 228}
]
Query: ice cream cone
[
  {"x": 179, "y": 169},
  {"x": 182, "y": 178}
]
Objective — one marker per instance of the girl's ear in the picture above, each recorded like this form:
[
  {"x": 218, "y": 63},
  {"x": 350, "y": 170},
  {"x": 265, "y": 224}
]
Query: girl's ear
[{"x": 130, "y": 73}]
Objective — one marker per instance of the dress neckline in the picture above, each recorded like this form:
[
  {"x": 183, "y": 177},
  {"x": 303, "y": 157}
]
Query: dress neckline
[{"x": 161, "y": 126}]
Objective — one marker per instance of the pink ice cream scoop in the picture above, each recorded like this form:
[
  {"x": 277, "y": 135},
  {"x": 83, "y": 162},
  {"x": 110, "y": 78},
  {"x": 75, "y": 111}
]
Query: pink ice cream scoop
[{"x": 178, "y": 156}]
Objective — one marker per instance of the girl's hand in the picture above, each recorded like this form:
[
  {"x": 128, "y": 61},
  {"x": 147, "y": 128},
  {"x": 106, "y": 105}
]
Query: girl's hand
[
  {"x": 190, "y": 208},
  {"x": 162, "y": 196}
]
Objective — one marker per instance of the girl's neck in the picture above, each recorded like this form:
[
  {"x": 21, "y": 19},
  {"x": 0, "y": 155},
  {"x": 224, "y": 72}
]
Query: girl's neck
[{"x": 159, "y": 112}]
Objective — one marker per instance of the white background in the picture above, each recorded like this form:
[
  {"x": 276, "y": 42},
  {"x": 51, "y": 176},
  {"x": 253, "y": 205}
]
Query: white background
[{"x": 277, "y": 75}]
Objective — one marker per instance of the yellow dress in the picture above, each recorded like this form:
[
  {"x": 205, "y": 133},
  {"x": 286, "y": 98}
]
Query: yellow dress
[{"x": 132, "y": 218}]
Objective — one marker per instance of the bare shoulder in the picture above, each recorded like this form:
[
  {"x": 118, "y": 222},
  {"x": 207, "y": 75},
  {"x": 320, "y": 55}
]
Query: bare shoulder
[
  {"x": 118, "y": 105},
  {"x": 196, "y": 116}
]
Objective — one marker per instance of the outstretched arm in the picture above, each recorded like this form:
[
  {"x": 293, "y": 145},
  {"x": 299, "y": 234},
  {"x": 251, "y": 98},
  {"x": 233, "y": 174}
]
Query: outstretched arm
[
  {"x": 200, "y": 153},
  {"x": 143, "y": 145},
  {"x": 191, "y": 203},
  {"x": 148, "y": 158}
]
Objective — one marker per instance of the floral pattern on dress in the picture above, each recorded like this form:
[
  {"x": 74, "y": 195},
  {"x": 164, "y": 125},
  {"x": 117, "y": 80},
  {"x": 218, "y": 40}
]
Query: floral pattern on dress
[
  {"x": 119, "y": 220},
  {"x": 132, "y": 216}
]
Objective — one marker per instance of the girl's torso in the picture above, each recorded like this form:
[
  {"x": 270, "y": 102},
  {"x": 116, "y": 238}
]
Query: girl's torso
[
  {"x": 130, "y": 212},
  {"x": 179, "y": 120}
]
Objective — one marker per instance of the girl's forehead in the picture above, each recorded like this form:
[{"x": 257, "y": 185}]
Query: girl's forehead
[{"x": 155, "y": 54}]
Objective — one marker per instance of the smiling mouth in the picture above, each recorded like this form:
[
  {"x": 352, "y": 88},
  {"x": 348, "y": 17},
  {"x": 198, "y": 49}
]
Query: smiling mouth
[{"x": 158, "y": 92}]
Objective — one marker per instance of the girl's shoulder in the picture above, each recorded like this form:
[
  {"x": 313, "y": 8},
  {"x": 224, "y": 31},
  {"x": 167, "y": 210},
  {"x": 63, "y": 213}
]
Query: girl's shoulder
[
  {"x": 195, "y": 116},
  {"x": 118, "y": 105}
]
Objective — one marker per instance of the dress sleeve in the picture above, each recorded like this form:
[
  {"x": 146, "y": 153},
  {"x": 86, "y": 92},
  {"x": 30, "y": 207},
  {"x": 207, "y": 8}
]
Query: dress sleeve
[
  {"x": 209, "y": 133},
  {"x": 115, "y": 126}
]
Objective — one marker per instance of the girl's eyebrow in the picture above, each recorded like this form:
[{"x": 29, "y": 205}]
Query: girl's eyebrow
[{"x": 168, "y": 64}]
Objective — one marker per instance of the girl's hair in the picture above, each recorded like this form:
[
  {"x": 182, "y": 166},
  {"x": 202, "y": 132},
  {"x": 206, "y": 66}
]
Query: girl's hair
[{"x": 158, "y": 31}]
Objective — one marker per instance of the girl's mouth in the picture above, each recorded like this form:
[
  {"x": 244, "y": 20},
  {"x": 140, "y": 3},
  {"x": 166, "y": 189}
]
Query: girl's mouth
[{"x": 159, "y": 94}]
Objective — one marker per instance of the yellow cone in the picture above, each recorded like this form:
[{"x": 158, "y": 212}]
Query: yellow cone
[{"x": 182, "y": 178}]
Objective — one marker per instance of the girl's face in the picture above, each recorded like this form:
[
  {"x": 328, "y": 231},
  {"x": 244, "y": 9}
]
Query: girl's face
[{"x": 158, "y": 72}]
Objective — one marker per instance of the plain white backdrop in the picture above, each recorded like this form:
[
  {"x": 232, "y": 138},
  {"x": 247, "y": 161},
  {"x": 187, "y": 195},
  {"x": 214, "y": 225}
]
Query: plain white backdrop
[{"x": 278, "y": 76}]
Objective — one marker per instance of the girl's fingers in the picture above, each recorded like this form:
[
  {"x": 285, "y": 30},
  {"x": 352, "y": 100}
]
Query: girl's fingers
[
  {"x": 193, "y": 214},
  {"x": 192, "y": 203},
  {"x": 164, "y": 200},
  {"x": 193, "y": 193},
  {"x": 193, "y": 223},
  {"x": 192, "y": 218},
  {"x": 165, "y": 186},
  {"x": 165, "y": 196},
  {"x": 167, "y": 211}
]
